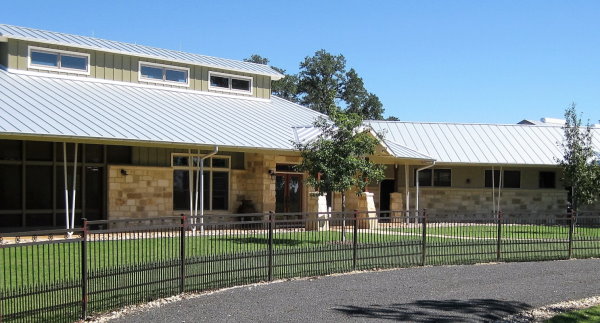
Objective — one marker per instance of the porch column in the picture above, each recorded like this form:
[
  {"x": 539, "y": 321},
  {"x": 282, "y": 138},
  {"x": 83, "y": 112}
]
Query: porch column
[
  {"x": 317, "y": 208},
  {"x": 367, "y": 213}
]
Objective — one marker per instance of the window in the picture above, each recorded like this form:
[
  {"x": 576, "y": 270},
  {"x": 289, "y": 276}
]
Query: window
[
  {"x": 435, "y": 177},
  {"x": 165, "y": 74},
  {"x": 547, "y": 180},
  {"x": 51, "y": 59},
  {"x": 231, "y": 83},
  {"x": 216, "y": 181},
  {"x": 511, "y": 179}
]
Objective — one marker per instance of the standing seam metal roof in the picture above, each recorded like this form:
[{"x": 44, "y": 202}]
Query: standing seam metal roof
[
  {"x": 38, "y": 35},
  {"x": 46, "y": 105},
  {"x": 480, "y": 143}
]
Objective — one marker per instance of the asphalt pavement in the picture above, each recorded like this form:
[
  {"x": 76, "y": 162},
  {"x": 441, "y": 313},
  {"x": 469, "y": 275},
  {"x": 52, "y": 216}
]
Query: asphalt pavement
[{"x": 475, "y": 293}]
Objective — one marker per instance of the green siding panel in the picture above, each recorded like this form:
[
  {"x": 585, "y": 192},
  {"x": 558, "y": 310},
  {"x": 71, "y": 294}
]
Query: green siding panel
[
  {"x": 119, "y": 67},
  {"x": 4, "y": 54}
]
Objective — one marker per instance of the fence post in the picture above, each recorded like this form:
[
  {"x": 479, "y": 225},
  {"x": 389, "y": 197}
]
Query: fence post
[
  {"x": 571, "y": 231},
  {"x": 84, "y": 271},
  {"x": 424, "y": 241},
  {"x": 355, "y": 240},
  {"x": 182, "y": 254},
  {"x": 270, "y": 246},
  {"x": 499, "y": 237}
]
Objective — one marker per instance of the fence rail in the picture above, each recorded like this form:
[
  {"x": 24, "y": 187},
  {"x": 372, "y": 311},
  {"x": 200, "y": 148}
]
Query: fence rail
[{"x": 65, "y": 275}]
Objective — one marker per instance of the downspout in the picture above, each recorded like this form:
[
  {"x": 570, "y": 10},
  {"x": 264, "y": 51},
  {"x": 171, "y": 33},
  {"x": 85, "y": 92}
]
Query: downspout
[
  {"x": 417, "y": 180},
  {"x": 200, "y": 182}
]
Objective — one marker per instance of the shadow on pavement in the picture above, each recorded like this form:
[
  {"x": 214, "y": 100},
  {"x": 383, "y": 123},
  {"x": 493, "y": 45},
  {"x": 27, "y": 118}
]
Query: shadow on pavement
[{"x": 473, "y": 310}]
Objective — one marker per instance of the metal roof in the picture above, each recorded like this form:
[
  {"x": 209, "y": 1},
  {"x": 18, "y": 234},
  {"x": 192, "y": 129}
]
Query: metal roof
[
  {"x": 480, "y": 143},
  {"x": 303, "y": 134},
  {"x": 47, "y": 105},
  {"x": 52, "y": 37}
]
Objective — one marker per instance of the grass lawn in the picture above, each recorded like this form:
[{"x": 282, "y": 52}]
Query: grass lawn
[{"x": 587, "y": 315}]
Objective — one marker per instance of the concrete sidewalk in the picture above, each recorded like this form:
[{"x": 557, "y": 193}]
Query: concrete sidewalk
[{"x": 477, "y": 293}]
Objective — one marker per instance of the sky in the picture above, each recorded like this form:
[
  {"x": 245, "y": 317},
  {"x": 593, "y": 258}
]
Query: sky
[{"x": 440, "y": 61}]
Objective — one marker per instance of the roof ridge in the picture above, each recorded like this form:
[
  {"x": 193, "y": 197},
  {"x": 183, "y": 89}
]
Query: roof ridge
[{"x": 464, "y": 123}]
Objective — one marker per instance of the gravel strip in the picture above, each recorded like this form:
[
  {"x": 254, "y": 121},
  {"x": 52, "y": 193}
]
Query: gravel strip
[{"x": 545, "y": 312}]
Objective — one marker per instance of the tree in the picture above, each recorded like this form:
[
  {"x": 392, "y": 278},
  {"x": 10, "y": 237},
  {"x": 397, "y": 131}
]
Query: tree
[
  {"x": 286, "y": 87},
  {"x": 337, "y": 160},
  {"x": 580, "y": 163},
  {"x": 321, "y": 81}
]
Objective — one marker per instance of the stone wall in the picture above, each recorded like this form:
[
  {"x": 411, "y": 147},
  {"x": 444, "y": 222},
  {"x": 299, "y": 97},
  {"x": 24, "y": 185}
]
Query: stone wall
[
  {"x": 144, "y": 192},
  {"x": 479, "y": 201}
]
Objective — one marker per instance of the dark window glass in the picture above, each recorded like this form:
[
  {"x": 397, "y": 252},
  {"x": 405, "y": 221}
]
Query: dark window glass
[
  {"x": 40, "y": 220},
  {"x": 219, "y": 81},
  {"x": 512, "y": 179},
  {"x": 181, "y": 190},
  {"x": 180, "y": 161},
  {"x": 442, "y": 177},
  {"x": 73, "y": 62},
  {"x": 44, "y": 59},
  {"x": 285, "y": 168},
  {"x": 10, "y": 150},
  {"x": 94, "y": 180},
  {"x": 220, "y": 191},
  {"x": 94, "y": 153},
  {"x": 547, "y": 180},
  {"x": 425, "y": 177},
  {"x": 118, "y": 154},
  {"x": 60, "y": 187},
  {"x": 152, "y": 72},
  {"x": 38, "y": 151},
  {"x": 10, "y": 220},
  {"x": 243, "y": 85},
  {"x": 176, "y": 76},
  {"x": 488, "y": 178},
  {"x": 38, "y": 187},
  {"x": 10, "y": 187},
  {"x": 70, "y": 152},
  {"x": 220, "y": 162},
  {"x": 206, "y": 191}
]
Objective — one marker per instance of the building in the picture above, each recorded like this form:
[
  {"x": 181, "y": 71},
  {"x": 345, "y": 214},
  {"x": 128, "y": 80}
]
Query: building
[{"x": 135, "y": 120}]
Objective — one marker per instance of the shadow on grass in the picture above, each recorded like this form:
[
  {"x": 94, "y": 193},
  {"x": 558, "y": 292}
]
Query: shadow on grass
[
  {"x": 473, "y": 310},
  {"x": 280, "y": 242}
]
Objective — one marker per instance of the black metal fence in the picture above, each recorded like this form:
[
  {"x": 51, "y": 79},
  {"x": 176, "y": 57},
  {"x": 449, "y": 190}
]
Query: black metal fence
[{"x": 62, "y": 275}]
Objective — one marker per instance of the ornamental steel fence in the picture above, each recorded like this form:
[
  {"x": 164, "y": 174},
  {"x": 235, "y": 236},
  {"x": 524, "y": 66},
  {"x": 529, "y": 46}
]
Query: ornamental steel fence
[{"x": 66, "y": 275}]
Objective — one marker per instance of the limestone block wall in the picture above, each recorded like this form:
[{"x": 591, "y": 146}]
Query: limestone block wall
[
  {"x": 479, "y": 201},
  {"x": 143, "y": 192}
]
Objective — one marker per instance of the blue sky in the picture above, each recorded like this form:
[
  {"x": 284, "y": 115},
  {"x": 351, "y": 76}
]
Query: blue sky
[{"x": 448, "y": 61}]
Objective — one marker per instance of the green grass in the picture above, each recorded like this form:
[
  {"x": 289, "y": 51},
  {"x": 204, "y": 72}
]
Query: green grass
[
  {"x": 587, "y": 315},
  {"x": 130, "y": 271}
]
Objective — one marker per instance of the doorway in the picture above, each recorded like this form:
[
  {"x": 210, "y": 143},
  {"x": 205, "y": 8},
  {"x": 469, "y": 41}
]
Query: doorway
[
  {"x": 388, "y": 186},
  {"x": 288, "y": 194}
]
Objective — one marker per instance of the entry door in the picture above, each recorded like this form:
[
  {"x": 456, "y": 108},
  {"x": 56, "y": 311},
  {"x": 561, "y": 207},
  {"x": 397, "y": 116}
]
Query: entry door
[{"x": 288, "y": 193}]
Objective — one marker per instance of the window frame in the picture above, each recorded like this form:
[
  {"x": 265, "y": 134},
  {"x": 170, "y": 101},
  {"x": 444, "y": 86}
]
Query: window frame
[
  {"x": 191, "y": 168},
  {"x": 58, "y": 68},
  {"x": 164, "y": 69},
  {"x": 230, "y": 77},
  {"x": 502, "y": 176},
  {"x": 432, "y": 179}
]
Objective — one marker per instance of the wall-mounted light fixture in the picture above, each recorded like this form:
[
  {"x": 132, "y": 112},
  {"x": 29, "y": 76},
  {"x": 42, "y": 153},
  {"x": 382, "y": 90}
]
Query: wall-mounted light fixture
[
  {"x": 124, "y": 172},
  {"x": 468, "y": 181},
  {"x": 272, "y": 173}
]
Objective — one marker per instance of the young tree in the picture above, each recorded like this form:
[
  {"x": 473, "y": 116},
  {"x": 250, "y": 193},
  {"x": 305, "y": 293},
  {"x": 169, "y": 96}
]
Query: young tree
[
  {"x": 580, "y": 162},
  {"x": 337, "y": 160}
]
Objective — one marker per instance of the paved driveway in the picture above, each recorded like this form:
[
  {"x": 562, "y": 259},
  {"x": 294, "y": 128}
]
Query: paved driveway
[{"x": 431, "y": 294}]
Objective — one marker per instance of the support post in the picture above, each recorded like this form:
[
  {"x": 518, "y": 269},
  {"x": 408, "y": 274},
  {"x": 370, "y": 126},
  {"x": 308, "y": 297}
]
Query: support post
[
  {"x": 571, "y": 231},
  {"x": 355, "y": 240},
  {"x": 84, "y": 271},
  {"x": 182, "y": 254},
  {"x": 270, "y": 246},
  {"x": 424, "y": 237},
  {"x": 499, "y": 237}
]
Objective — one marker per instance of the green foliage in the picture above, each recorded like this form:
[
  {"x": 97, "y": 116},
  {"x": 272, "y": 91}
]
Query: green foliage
[
  {"x": 286, "y": 87},
  {"x": 579, "y": 163},
  {"x": 336, "y": 161},
  {"x": 590, "y": 315}
]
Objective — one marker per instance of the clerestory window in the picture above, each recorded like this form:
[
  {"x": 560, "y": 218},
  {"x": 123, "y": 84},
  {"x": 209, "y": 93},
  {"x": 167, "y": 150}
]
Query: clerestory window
[{"x": 230, "y": 83}]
